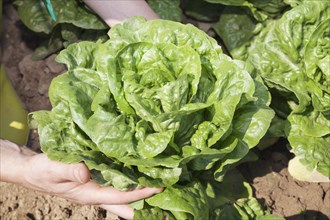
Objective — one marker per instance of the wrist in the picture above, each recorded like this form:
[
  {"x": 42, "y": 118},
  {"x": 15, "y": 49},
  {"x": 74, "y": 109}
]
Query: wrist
[{"x": 14, "y": 161}]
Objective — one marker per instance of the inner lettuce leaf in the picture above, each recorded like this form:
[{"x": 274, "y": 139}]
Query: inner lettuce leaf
[
  {"x": 156, "y": 105},
  {"x": 292, "y": 55}
]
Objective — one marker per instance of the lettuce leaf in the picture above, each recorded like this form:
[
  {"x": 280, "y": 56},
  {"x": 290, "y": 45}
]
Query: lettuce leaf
[
  {"x": 259, "y": 9},
  {"x": 166, "y": 9}
]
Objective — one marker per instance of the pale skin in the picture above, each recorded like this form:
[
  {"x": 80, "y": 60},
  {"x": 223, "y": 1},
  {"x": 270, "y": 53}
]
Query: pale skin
[
  {"x": 115, "y": 11},
  {"x": 20, "y": 165}
]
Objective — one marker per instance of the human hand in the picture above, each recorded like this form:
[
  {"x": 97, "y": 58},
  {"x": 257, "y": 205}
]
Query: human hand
[
  {"x": 115, "y": 12},
  {"x": 69, "y": 181}
]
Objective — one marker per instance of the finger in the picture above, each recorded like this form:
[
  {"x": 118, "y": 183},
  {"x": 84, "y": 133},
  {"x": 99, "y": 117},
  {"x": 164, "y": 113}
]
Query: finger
[
  {"x": 96, "y": 194},
  {"x": 74, "y": 172},
  {"x": 77, "y": 173},
  {"x": 123, "y": 211}
]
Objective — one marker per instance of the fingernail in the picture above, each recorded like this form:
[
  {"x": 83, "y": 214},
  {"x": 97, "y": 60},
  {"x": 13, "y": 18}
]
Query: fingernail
[
  {"x": 159, "y": 190},
  {"x": 156, "y": 190}
]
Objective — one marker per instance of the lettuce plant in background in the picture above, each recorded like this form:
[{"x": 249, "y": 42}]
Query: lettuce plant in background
[
  {"x": 66, "y": 22},
  {"x": 259, "y": 9},
  {"x": 211, "y": 10},
  {"x": 159, "y": 105},
  {"x": 166, "y": 9},
  {"x": 292, "y": 54},
  {"x": 74, "y": 22}
]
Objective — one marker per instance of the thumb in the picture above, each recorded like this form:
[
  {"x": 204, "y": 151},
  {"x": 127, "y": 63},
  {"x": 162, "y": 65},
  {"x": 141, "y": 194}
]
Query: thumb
[
  {"x": 79, "y": 173},
  {"x": 75, "y": 172}
]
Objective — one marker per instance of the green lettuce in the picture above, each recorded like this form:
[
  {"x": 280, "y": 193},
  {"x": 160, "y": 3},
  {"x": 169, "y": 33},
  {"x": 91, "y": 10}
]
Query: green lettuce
[
  {"x": 157, "y": 105},
  {"x": 74, "y": 22},
  {"x": 202, "y": 10},
  {"x": 212, "y": 10},
  {"x": 259, "y": 9},
  {"x": 166, "y": 9},
  {"x": 292, "y": 55}
]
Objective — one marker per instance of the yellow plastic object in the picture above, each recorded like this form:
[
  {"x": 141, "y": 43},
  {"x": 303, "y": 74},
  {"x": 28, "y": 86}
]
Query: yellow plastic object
[
  {"x": 298, "y": 171},
  {"x": 13, "y": 117}
]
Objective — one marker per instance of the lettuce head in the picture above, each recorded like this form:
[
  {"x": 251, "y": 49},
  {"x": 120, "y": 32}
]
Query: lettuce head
[
  {"x": 292, "y": 55},
  {"x": 157, "y": 105}
]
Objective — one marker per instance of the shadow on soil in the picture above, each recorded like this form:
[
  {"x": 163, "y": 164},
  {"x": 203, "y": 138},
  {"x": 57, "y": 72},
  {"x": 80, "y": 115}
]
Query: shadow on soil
[{"x": 308, "y": 215}]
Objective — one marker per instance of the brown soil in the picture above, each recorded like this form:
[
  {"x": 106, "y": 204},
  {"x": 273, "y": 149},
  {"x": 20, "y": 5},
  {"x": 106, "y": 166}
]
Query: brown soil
[
  {"x": 283, "y": 195},
  {"x": 273, "y": 186}
]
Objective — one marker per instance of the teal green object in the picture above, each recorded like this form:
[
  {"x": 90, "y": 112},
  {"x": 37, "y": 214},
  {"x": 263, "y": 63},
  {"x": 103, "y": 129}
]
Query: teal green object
[{"x": 50, "y": 9}]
